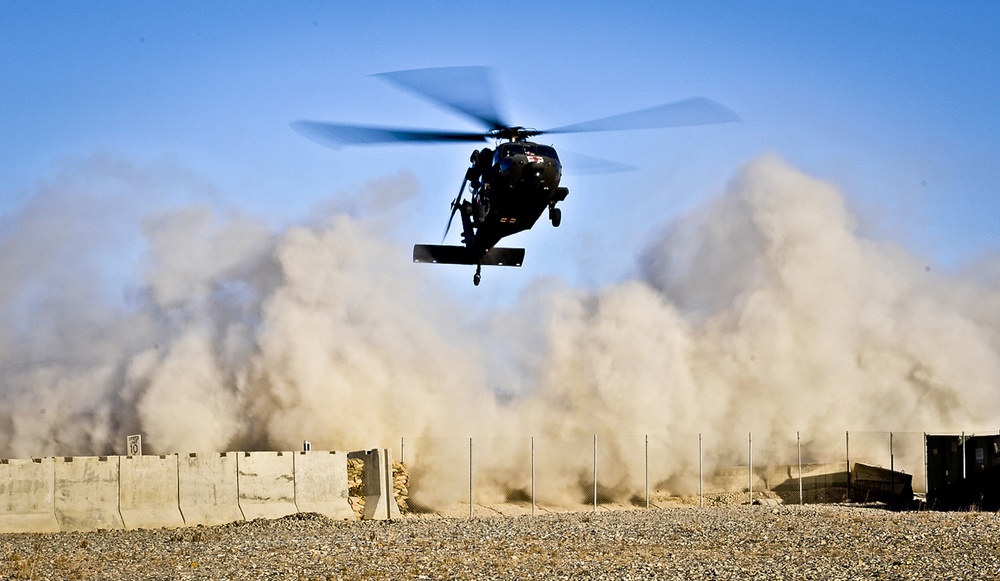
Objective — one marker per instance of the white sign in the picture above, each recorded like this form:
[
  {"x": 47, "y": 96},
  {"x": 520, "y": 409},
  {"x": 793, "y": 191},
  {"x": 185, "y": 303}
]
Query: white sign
[{"x": 134, "y": 445}]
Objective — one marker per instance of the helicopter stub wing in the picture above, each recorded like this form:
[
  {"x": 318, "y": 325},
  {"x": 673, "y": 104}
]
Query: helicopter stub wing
[{"x": 442, "y": 254}]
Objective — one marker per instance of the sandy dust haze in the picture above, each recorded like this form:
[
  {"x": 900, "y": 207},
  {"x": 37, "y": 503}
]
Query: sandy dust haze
[{"x": 763, "y": 311}]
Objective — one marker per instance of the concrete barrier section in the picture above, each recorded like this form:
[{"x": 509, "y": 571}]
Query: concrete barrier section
[
  {"x": 148, "y": 492},
  {"x": 208, "y": 493},
  {"x": 380, "y": 503},
  {"x": 27, "y": 493},
  {"x": 321, "y": 484},
  {"x": 86, "y": 493},
  {"x": 266, "y": 484}
]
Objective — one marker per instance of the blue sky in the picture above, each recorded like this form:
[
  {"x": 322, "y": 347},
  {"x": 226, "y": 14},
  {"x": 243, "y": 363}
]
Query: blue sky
[{"x": 894, "y": 102}]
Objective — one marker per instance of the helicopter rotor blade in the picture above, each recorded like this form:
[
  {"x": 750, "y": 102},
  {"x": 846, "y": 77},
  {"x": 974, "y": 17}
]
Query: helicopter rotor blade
[
  {"x": 454, "y": 207},
  {"x": 576, "y": 163},
  {"x": 467, "y": 90},
  {"x": 685, "y": 113},
  {"x": 337, "y": 134}
]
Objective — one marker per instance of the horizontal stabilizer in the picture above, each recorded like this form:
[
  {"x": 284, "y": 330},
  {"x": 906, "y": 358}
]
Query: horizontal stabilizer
[{"x": 462, "y": 255}]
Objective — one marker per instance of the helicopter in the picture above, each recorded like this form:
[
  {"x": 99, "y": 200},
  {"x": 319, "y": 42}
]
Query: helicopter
[{"x": 511, "y": 185}]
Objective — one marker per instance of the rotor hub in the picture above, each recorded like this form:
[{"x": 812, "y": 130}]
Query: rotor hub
[{"x": 515, "y": 133}]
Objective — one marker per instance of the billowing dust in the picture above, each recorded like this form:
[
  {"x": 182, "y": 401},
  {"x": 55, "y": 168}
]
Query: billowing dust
[{"x": 763, "y": 311}]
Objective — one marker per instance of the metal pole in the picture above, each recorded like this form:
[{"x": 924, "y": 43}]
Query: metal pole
[
  {"x": 963, "y": 455},
  {"x": 595, "y": 472},
  {"x": 532, "y": 476},
  {"x": 750, "y": 468},
  {"x": 701, "y": 474},
  {"x": 402, "y": 459},
  {"x": 798, "y": 450},
  {"x": 647, "y": 470},
  {"x": 470, "y": 477},
  {"x": 925, "y": 466},
  {"x": 964, "y": 488},
  {"x": 892, "y": 473},
  {"x": 848, "y": 440}
]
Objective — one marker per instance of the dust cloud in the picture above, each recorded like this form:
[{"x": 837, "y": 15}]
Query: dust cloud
[{"x": 764, "y": 311}]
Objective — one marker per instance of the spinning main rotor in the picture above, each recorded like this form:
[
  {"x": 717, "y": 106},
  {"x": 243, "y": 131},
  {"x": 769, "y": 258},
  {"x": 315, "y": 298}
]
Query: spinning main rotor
[{"x": 469, "y": 91}]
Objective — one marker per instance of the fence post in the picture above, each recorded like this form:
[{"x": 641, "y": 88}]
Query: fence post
[
  {"x": 847, "y": 436},
  {"x": 965, "y": 489},
  {"x": 798, "y": 451},
  {"x": 963, "y": 454},
  {"x": 402, "y": 459},
  {"x": 470, "y": 477},
  {"x": 647, "y": 470},
  {"x": 892, "y": 473},
  {"x": 595, "y": 472},
  {"x": 925, "y": 469},
  {"x": 701, "y": 473},
  {"x": 750, "y": 468},
  {"x": 532, "y": 476}
]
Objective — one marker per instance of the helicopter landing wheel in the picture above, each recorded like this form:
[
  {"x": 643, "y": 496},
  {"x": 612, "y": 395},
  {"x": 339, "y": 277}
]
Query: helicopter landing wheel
[
  {"x": 555, "y": 215},
  {"x": 478, "y": 276}
]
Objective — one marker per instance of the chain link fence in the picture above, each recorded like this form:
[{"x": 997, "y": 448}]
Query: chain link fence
[{"x": 579, "y": 471}]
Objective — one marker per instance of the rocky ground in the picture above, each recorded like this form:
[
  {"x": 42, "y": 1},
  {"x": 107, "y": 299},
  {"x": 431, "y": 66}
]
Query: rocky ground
[{"x": 727, "y": 542}]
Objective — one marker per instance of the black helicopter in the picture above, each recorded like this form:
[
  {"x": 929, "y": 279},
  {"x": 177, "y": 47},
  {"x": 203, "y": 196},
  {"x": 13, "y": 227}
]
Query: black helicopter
[{"x": 511, "y": 185}]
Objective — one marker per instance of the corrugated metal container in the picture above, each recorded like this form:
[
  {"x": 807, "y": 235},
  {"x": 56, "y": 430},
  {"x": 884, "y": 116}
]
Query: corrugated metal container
[{"x": 963, "y": 472}]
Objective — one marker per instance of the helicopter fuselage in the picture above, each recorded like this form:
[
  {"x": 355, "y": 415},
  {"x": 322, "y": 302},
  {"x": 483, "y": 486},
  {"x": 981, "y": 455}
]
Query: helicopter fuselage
[
  {"x": 520, "y": 182},
  {"x": 510, "y": 188}
]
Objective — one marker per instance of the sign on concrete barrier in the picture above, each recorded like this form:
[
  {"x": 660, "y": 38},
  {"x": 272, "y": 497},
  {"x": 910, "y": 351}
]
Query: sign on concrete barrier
[
  {"x": 86, "y": 493},
  {"x": 148, "y": 492},
  {"x": 207, "y": 488},
  {"x": 133, "y": 445},
  {"x": 27, "y": 495},
  {"x": 321, "y": 484},
  {"x": 266, "y": 484}
]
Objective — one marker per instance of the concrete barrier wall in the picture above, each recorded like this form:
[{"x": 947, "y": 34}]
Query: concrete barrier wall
[
  {"x": 777, "y": 477},
  {"x": 115, "y": 492},
  {"x": 267, "y": 484},
  {"x": 86, "y": 493},
  {"x": 320, "y": 479},
  {"x": 148, "y": 492},
  {"x": 208, "y": 489},
  {"x": 27, "y": 491}
]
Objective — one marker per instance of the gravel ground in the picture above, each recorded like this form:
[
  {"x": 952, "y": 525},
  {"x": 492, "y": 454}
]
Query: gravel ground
[{"x": 743, "y": 542}]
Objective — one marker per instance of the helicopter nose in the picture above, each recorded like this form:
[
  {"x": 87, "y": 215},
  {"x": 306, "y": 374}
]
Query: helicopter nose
[
  {"x": 506, "y": 166},
  {"x": 519, "y": 167},
  {"x": 534, "y": 167}
]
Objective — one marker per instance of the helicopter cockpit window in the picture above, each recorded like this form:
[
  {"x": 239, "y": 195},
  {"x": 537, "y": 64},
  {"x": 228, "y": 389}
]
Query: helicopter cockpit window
[
  {"x": 507, "y": 151},
  {"x": 547, "y": 151}
]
